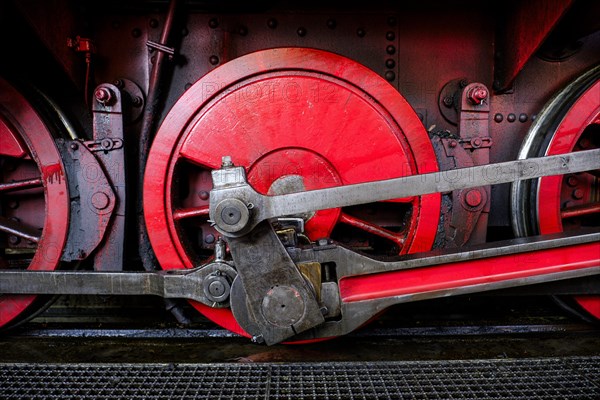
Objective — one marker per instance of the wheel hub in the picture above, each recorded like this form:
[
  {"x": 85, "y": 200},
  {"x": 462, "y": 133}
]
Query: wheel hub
[
  {"x": 290, "y": 170},
  {"x": 296, "y": 119}
]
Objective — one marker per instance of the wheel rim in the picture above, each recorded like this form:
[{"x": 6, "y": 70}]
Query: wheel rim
[
  {"x": 296, "y": 119},
  {"x": 31, "y": 160},
  {"x": 570, "y": 122}
]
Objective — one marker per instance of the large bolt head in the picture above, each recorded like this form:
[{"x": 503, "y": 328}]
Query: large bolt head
[
  {"x": 216, "y": 288},
  {"x": 477, "y": 94},
  {"x": 473, "y": 198},
  {"x": 103, "y": 95},
  {"x": 226, "y": 162},
  {"x": 283, "y": 306},
  {"x": 231, "y": 215}
]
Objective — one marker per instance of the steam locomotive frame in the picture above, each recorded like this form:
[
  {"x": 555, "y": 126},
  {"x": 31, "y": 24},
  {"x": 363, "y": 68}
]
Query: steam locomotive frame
[{"x": 294, "y": 170}]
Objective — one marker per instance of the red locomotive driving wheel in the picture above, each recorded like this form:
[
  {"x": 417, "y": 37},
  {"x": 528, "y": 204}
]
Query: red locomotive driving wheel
[
  {"x": 570, "y": 122},
  {"x": 296, "y": 119},
  {"x": 34, "y": 202}
]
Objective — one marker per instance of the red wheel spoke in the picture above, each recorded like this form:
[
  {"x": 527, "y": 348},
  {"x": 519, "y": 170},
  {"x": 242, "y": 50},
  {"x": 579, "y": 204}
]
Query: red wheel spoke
[
  {"x": 11, "y": 146},
  {"x": 190, "y": 212},
  {"x": 580, "y": 211},
  {"x": 283, "y": 115},
  {"x": 14, "y": 228},
  {"x": 190, "y": 157},
  {"x": 372, "y": 228},
  {"x": 21, "y": 185}
]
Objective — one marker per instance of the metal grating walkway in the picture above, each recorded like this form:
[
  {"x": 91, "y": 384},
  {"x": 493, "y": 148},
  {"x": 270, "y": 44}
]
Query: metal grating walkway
[{"x": 545, "y": 378}]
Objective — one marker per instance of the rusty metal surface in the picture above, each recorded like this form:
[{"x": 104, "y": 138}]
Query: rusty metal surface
[
  {"x": 108, "y": 145},
  {"x": 526, "y": 26},
  {"x": 86, "y": 177}
]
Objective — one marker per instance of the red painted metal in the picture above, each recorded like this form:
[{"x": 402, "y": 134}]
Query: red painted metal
[
  {"x": 523, "y": 33},
  {"x": 470, "y": 272},
  {"x": 281, "y": 113},
  {"x": 591, "y": 304},
  {"x": 29, "y": 138},
  {"x": 580, "y": 211},
  {"x": 397, "y": 238},
  {"x": 562, "y": 198},
  {"x": 20, "y": 185},
  {"x": 11, "y": 145},
  {"x": 302, "y": 132}
]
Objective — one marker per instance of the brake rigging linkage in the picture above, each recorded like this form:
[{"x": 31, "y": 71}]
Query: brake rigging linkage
[{"x": 270, "y": 297}]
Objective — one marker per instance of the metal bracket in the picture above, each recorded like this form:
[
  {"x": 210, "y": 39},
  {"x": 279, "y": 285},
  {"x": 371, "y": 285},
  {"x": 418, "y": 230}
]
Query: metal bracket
[
  {"x": 152, "y": 45},
  {"x": 106, "y": 144},
  {"x": 476, "y": 143},
  {"x": 270, "y": 299},
  {"x": 108, "y": 149},
  {"x": 470, "y": 207},
  {"x": 93, "y": 200}
]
